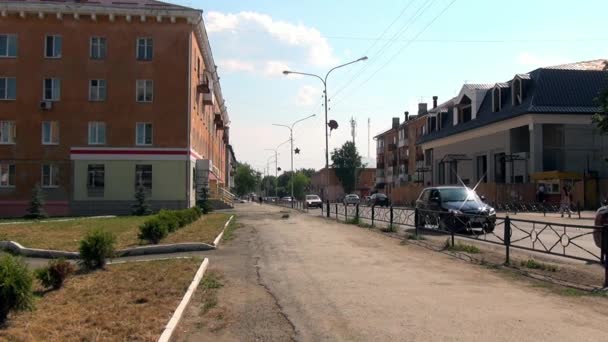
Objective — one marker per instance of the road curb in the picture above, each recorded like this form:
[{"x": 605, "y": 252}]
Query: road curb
[
  {"x": 217, "y": 240},
  {"x": 16, "y": 248},
  {"x": 177, "y": 315}
]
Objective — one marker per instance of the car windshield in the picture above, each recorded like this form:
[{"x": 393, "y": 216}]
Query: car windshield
[
  {"x": 458, "y": 195},
  {"x": 312, "y": 197}
]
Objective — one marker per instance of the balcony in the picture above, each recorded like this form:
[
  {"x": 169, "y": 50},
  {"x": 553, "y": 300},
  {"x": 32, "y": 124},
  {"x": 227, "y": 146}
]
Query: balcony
[
  {"x": 380, "y": 165},
  {"x": 403, "y": 142},
  {"x": 380, "y": 176},
  {"x": 392, "y": 147},
  {"x": 203, "y": 86},
  {"x": 380, "y": 149},
  {"x": 218, "y": 120}
]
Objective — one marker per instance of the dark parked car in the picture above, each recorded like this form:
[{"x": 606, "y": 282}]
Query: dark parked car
[
  {"x": 601, "y": 219},
  {"x": 455, "y": 208},
  {"x": 379, "y": 199}
]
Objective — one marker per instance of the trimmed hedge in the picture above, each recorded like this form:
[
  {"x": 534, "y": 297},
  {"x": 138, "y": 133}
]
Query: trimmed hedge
[
  {"x": 95, "y": 248},
  {"x": 167, "y": 221}
]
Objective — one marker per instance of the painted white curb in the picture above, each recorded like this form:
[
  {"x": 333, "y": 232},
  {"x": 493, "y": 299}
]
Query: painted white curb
[
  {"x": 217, "y": 240},
  {"x": 177, "y": 315},
  {"x": 57, "y": 220}
]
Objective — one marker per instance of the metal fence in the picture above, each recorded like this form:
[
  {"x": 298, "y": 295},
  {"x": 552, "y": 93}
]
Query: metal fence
[{"x": 579, "y": 242}]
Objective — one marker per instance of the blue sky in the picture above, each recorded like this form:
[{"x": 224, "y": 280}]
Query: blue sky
[{"x": 474, "y": 41}]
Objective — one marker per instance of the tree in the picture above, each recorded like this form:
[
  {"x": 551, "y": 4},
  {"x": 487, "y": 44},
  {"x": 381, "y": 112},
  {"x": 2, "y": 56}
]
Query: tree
[
  {"x": 36, "y": 209},
  {"x": 301, "y": 183},
  {"x": 345, "y": 161},
  {"x": 269, "y": 184},
  {"x": 246, "y": 179},
  {"x": 601, "y": 117},
  {"x": 141, "y": 206}
]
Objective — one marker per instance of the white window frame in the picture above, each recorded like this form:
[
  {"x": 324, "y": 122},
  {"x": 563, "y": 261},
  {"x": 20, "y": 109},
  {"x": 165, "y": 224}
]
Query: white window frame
[
  {"x": 145, "y": 85},
  {"x": 53, "y": 175},
  {"x": 94, "y": 133},
  {"x": 97, "y": 97},
  {"x": 95, "y": 45},
  {"x": 517, "y": 96},
  {"x": 145, "y": 41},
  {"x": 10, "y": 128},
  {"x": 55, "y": 37},
  {"x": 139, "y": 176},
  {"x": 5, "y": 171},
  {"x": 91, "y": 175},
  {"x": 8, "y": 39},
  {"x": 4, "y": 97},
  {"x": 55, "y": 89},
  {"x": 54, "y": 125},
  {"x": 137, "y": 125}
]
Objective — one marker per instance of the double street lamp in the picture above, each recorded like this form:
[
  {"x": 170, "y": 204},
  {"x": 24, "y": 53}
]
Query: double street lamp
[
  {"x": 291, "y": 140},
  {"x": 276, "y": 165},
  {"x": 324, "y": 80}
]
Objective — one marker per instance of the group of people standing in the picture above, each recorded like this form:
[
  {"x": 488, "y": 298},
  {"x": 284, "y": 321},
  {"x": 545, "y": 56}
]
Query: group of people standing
[{"x": 565, "y": 198}]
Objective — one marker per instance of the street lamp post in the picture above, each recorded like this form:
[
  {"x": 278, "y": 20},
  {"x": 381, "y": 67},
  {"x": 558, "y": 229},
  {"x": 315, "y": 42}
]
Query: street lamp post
[
  {"x": 291, "y": 140},
  {"x": 324, "y": 80},
  {"x": 276, "y": 166}
]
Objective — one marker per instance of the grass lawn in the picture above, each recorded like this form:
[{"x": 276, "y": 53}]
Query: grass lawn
[
  {"x": 66, "y": 235},
  {"x": 125, "y": 302}
]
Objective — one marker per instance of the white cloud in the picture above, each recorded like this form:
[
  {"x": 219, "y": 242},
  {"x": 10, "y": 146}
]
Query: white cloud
[
  {"x": 532, "y": 60},
  {"x": 275, "y": 68},
  {"x": 307, "y": 95},
  {"x": 309, "y": 38},
  {"x": 236, "y": 65}
]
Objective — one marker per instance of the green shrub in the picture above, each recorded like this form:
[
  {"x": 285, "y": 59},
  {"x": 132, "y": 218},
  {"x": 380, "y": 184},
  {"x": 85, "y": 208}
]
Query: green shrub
[
  {"x": 96, "y": 247},
  {"x": 54, "y": 274},
  {"x": 141, "y": 206},
  {"x": 170, "y": 219},
  {"x": 535, "y": 265},
  {"x": 15, "y": 286},
  {"x": 153, "y": 230},
  {"x": 36, "y": 209}
]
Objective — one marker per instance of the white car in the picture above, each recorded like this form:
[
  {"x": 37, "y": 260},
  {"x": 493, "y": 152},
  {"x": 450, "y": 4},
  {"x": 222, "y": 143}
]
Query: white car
[
  {"x": 313, "y": 201},
  {"x": 351, "y": 199},
  {"x": 287, "y": 199}
]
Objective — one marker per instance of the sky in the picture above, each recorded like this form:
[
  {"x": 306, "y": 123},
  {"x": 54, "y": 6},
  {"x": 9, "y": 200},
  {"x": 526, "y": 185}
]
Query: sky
[{"x": 416, "y": 49}]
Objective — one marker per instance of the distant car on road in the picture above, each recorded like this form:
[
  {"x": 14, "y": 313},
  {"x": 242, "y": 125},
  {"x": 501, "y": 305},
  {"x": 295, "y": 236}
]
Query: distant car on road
[
  {"x": 313, "y": 201},
  {"x": 351, "y": 199},
  {"x": 601, "y": 219},
  {"x": 455, "y": 208},
  {"x": 287, "y": 199},
  {"x": 379, "y": 199}
]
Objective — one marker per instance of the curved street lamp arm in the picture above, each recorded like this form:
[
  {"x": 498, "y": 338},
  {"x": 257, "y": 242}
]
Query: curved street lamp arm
[
  {"x": 282, "y": 126},
  {"x": 308, "y": 117},
  {"x": 287, "y": 72},
  {"x": 342, "y": 65}
]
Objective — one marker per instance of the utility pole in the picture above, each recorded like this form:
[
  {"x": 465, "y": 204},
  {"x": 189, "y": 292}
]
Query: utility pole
[
  {"x": 353, "y": 128},
  {"x": 368, "y": 132}
]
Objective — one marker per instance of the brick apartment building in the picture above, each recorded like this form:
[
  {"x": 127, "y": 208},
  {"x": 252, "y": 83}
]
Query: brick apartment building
[
  {"x": 100, "y": 97},
  {"x": 335, "y": 191},
  {"x": 399, "y": 158}
]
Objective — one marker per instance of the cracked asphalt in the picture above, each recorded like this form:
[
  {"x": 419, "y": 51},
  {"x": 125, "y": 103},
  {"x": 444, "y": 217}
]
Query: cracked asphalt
[{"x": 309, "y": 279}]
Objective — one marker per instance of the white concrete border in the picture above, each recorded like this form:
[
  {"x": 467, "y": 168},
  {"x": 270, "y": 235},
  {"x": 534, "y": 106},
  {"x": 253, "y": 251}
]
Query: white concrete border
[
  {"x": 217, "y": 240},
  {"x": 51, "y": 220},
  {"x": 177, "y": 315}
]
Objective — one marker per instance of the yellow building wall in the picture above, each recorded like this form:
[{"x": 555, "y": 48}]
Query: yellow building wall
[{"x": 168, "y": 180}]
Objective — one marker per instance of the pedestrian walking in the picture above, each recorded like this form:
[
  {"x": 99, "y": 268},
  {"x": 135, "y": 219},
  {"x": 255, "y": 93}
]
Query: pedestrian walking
[
  {"x": 541, "y": 193},
  {"x": 260, "y": 199},
  {"x": 565, "y": 202}
]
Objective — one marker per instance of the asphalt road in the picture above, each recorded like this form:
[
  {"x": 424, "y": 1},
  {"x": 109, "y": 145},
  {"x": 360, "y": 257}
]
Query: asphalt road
[{"x": 336, "y": 282}]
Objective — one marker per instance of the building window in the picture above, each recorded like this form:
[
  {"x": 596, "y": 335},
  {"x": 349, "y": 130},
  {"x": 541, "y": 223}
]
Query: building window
[
  {"x": 143, "y": 133},
  {"x": 453, "y": 166},
  {"x": 145, "y": 90},
  {"x": 97, "y": 133},
  {"x": 441, "y": 173},
  {"x": 145, "y": 48},
  {"x": 482, "y": 169},
  {"x": 52, "y": 89},
  {"x": 50, "y": 132},
  {"x": 517, "y": 92},
  {"x": 8, "y": 88},
  {"x": 496, "y": 105},
  {"x": 97, "y": 90},
  {"x": 52, "y": 47},
  {"x": 98, "y": 48},
  {"x": 499, "y": 168},
  {"x": 50, "y": 176},
  {"x": 143, "y": 177},
  {"x": 8, "y": 45},
  {"x": 7, "y": 175},
  {"x": 8, "y": 132},
  {"x": 96, "y": 179}
]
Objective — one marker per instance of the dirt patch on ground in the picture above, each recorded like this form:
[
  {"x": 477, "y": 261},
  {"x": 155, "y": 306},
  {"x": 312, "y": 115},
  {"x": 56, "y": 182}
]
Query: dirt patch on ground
[{"x": 125, "y": 302}]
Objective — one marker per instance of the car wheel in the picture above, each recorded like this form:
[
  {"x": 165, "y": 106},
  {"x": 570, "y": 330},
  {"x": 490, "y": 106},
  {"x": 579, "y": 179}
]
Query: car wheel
[{"x": 489, "y": 228}]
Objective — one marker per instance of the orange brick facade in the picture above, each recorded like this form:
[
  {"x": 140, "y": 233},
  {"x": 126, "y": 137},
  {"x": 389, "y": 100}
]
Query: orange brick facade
[{"x": 180, "y": 120}]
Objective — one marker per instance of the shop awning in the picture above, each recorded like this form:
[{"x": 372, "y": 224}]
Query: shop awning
[{"x": 548, "y": 175}]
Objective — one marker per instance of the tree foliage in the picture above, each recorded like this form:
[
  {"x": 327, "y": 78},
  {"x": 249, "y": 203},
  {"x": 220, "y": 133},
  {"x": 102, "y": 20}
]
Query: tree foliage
[
  {"x": 346, "y": 160},
  {"x": 301, "y": 183},
  {"x": 269, "y": 184},
  {"x": 246, "y": 179},
  {"x": 36, "y": 208},
  {"x": 601, "y": 117},
  {"x": 141, "y": 206}
]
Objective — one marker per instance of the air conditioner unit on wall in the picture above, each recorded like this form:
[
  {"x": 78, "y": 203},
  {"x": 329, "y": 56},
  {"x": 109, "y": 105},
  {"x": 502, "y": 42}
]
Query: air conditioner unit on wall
[{"x": 46, "y": 105}]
